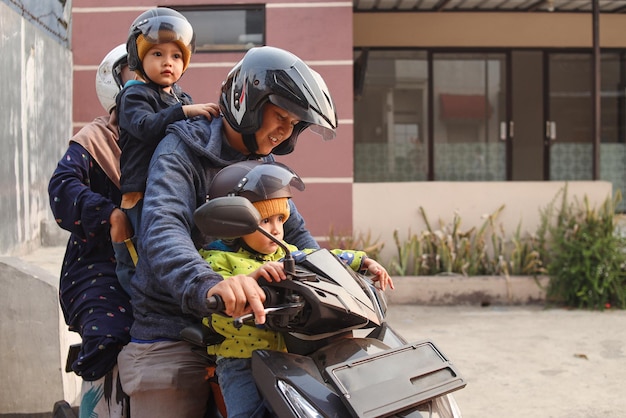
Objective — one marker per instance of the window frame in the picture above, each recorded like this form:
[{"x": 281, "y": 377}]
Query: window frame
[{"x": 212, "y": 47}]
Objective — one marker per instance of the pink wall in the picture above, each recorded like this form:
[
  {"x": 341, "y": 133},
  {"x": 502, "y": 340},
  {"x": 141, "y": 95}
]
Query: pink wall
[{"x": 319, "y": 32}]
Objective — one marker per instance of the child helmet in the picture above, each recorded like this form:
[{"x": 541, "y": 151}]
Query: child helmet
[
  {"x": 269, "y": 74},
  {"x": 255, "y": 180},
  {"x": 109, "y": 76},
  {"x": 157, "y": 26}
]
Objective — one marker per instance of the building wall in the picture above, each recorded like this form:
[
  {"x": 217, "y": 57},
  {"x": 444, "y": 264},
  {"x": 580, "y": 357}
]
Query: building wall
[
  {"x": 36, "y": 65},
  {"x": 300, "y": 27},
  {"x": 381, "y": 208},
  {"x": 396, "y": 206},
  {"x": 488, "y": 30},
  {"x": 324, "y": 34},
  {"x": 35, "y": 120}
]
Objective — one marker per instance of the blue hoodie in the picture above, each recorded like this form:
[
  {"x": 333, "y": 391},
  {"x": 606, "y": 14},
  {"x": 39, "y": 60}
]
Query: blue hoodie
[{"x": 172, "y": 280}]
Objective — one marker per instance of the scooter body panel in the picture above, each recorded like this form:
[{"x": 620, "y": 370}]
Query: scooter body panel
[{"x": 271, "y": 367}]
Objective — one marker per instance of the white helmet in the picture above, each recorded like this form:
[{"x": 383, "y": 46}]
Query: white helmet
[{"x": 109, "y": 76}]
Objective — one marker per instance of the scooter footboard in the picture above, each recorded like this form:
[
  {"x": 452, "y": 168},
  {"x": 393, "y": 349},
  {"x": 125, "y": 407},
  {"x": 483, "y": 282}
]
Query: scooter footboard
[{"x": 395, "y": 379}]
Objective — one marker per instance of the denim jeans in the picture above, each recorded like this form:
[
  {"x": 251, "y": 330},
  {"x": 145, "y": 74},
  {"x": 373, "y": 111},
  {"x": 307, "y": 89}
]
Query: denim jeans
[
  {"x": 238, "y": 388},
  {"x": 125, "y": 268}
]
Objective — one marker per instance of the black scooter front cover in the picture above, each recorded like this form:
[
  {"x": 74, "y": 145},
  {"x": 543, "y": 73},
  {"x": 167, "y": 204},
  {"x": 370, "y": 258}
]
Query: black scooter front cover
[{"x": 270, "y": 367}]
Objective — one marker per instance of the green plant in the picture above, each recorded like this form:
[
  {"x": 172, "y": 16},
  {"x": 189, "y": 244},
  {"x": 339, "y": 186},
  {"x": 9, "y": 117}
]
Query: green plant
[
  {"x": 525, "y": 255},
  {"x": 579, "y": 247},
  {"x": 360, "y": 241},
  {"x": 587, "y": 258},
  {"x": 477, "y": 251}
]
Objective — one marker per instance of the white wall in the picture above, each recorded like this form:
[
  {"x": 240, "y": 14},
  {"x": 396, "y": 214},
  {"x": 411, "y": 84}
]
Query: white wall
[
  {"x": 381, "y": 208},
  {"x": 36, "y": 125}
]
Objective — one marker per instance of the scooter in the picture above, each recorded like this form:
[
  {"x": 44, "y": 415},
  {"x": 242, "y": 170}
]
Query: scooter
[{"x": 343, "y": 359}]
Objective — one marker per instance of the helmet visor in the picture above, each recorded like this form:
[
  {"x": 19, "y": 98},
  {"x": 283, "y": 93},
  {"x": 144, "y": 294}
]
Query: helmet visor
[
  {"x": 164, "y": 29},
  {"x": 321, "y": 121},
  {"x": 269, "y": 181}
]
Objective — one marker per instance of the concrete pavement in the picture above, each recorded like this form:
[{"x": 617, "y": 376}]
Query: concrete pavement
[
  {"x": 518, "y": 361},
  {"x": 46, "y": 258},
  {"x": 34, "y": 339},
  {"x": 527, "y": 361}
]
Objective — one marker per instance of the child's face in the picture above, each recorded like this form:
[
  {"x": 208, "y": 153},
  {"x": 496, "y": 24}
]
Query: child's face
[
  {"x": 262, "y": 244},
  {"x": 277, "y": 126},
  {"x": 163, "y": 63}
]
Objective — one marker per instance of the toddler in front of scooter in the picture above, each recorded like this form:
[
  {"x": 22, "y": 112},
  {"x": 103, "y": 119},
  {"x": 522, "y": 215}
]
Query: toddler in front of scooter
[{"x": 257, "y": 256}]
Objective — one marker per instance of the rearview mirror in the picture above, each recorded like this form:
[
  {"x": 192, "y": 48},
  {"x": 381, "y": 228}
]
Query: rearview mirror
[
  {"x": 227, "y": 217},
  {"x": 232, "y": 217}
]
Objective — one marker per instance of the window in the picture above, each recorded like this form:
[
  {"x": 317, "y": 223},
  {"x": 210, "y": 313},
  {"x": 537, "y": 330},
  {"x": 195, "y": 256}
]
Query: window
[
  {"x": 220, "y": 29},
  {"x": 390, "y": 114},
  {"x": 469, "y": 92}
]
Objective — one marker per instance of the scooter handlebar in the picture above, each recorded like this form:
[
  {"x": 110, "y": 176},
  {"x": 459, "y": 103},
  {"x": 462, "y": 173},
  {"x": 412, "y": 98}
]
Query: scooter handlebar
[{"x": 215, "y": 303}]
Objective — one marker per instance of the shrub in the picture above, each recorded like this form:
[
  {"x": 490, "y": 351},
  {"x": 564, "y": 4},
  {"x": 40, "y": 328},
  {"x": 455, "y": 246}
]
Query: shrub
[
  {"x": 579, "y": 247},
  {"x": 586, "y": 257},
  {"x": 449, "y": 250}
]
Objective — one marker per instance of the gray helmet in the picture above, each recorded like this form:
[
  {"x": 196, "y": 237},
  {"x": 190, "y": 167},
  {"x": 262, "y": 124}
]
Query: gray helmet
[
  {"x": 268, "y": 74},
  {"x": 109, "y": 77},
  {"x": 255, "y": 180}
]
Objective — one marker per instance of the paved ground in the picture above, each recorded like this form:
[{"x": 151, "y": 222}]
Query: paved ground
[
  {"x": 518, "y": 361},
  {"x": 528, "y": 361}
]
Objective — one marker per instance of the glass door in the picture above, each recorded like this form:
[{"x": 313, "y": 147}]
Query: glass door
[
  {"x": 470, "y": 121},
  {"x": 390, "y": 114},
  {"x": 613, "y": 124},
  {"x": 568, "y": 133}
]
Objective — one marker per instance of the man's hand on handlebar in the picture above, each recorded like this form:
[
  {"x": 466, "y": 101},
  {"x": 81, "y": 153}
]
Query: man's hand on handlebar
[{"x": 241, "y": 295}]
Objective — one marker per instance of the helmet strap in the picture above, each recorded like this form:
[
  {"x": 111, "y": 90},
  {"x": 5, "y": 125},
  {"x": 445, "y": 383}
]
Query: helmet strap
[
  {"x": 133, "y": 55},
  {"x": 287, "y": 146},
  {"x": 249, "y": 140}
]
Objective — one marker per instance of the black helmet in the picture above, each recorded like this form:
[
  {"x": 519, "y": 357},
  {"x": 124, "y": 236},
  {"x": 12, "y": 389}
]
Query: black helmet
[
  {"x": 268, "y": 74},
  {"x": 157, "y": 26},
  {"x": 255, "y": 180}
]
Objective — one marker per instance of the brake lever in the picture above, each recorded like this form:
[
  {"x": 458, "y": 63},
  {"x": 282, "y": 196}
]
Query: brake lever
[{"x": 287, "y": 309}]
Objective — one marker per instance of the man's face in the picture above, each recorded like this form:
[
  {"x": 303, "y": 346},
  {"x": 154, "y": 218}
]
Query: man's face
[{"x": 277, "y": 126}]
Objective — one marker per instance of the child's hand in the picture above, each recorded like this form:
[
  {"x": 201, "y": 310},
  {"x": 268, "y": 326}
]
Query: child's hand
[
  {"x": 381, "y": 277},
  {"x": 272, "y": 271},
  {"x": 121, "y": 229},
  {"x": 208, "y": 110}
]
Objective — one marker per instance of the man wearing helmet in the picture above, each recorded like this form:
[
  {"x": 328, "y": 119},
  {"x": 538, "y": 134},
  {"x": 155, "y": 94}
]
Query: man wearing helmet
[
  {"x": 267, "y": 100},
  {"x": 268, "y": 186},
  {"x": 160, "y": 43},
  {"x": 84, "y": 198}
]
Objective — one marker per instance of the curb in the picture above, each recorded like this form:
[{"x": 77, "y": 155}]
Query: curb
[
  {"x": 473, "y": 290},
  {"x": 448, "y": 290}
]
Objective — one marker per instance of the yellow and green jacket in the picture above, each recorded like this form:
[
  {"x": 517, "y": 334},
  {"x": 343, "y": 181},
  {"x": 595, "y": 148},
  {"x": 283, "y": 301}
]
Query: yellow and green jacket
[{"x": 228, "y": 262}]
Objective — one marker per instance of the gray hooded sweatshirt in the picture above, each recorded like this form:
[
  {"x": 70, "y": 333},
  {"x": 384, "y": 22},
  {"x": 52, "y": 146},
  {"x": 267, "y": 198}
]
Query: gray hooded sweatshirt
[{"x": 172, "y": 280}]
